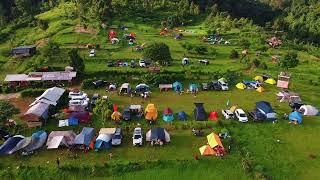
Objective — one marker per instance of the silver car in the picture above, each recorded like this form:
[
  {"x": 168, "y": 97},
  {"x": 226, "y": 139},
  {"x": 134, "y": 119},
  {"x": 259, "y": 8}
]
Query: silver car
[{"x": 116, "y": 138}]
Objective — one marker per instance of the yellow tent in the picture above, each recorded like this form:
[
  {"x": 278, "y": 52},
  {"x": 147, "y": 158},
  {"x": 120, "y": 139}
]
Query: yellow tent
[
  {"x": 214, "y": 140},
  {"x": 116, "y": 116},
  {"x": 233, "y": 108},
  {"x": 258, "y": 78},
  {"x": 270, "y": 81},
  {"x": 241, "y": 86},
  {"x": 260, "y": 89},
  {"x": 206, "y": 150},
  {"x": 151, "y": 112}
]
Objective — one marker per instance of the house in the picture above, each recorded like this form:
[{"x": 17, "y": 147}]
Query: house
[
  {"x": 39, "y": 109},
  {"x": 24, "y": 50},
  {"x": 15, "y": 80}
]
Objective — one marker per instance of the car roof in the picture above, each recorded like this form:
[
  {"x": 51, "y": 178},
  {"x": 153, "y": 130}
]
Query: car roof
[{"x": 240, "y": 111}]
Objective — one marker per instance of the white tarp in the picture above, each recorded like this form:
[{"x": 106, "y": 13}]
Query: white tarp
[{"x": 63, "y": 123}]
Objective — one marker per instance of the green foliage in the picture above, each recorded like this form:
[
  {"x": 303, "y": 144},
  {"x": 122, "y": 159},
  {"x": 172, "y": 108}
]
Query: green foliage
[
  {"x": 290, "y": 60},
  {"x": 263, "y": 66},
  {"x": 50, "y": 50},
  {"x": 43, "y": 24},
  {"x": 7, "y": 110},
  {"x": 31, "y": 93},
  {"x": 234, "y": 54},
  {"x": 76, "y": 61},
  {"x": 244, "y": 43},
  {"x": 200, "y": 49},
  {"x": 158, "y": 52}
]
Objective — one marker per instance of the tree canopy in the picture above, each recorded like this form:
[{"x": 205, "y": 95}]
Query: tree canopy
[
  {"x": 290, "y": 60},
  {"x": 76, "y": 61},
  {"x": 7, "y": 110},
  {"x": 158, "y": 52}
]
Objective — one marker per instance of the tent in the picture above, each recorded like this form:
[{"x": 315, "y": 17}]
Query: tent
[
  {"x": 258, "y": 78},
  {"x": 214, "y": 140},
  {"x": 125, "y": 88},
  {"x": 177, "y": 86},
  {"x": 85, "y": 137},
  {"x": 103, "y": 141},
  {"x": 193, "y": 88},
  {"x": 114, "y": 40},
  {"x": 308, "y": 110},
  {"x": 151, "y": 112},
  {"x": 270, "y": 81},
  {"x": 199, "y": 112},
  {"x": 265, "y": 109},
  {"x": 57, "y": 138},
  {"x": 158, "y": 133},
  {"x": 38, "y": 139},
  {"x": 206, "y": 150},
  {"x": 241, "y": 86},
  {"x": 168, "y": 115},
  {"x": 141, "y": 88},
  {"x": 295, "y": 116},
  {"x": 260, "y": 89},
  {"x": 82, "y": 117},
  {"x": 222, "y": 79},
  {"x": 233, "y": 108},
  {"x": 12, "y": 145},
  {"x": 182, "y": 116},
  {"x": 116, "y": 116},
  {"x": 185, "y": 61},
  {"x": 213, "y": 116}
]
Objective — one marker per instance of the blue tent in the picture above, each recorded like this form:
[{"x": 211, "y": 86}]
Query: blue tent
[
  {"x": 85, "y": 137},
  {"x": 38, "y": 139},
  {"x": 182, "y": 116},
  {"x": 199, "y": 112},
  {"x": 266, "y": 110},
  {"x": 73, "y": 121},
  {"x": 10, "y": 145},
  {"x": 295, "y": 116},
  {"x": 177, "y": 86},
  {"x": 103, "y": 141},
  {"x": 141, "y": 88},
  {"x": 193, "y": 87}
]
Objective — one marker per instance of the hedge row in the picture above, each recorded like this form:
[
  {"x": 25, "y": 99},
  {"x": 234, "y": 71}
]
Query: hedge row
[{"x": 32, "y": 92}]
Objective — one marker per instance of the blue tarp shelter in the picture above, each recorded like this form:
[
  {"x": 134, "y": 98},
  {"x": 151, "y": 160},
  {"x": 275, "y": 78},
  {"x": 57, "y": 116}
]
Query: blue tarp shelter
[
  {"x": 73, "y": 121},
  {"x": 85, "y": 137},
  {"x": 38, "y": 139},
  {"x": 182, "y": 116},
  {"x": 10, "y": 145},
  {"x": 177, "y": 86},
  {"x": 295, "y": 116},
  {"x": 103, "y": 141}
]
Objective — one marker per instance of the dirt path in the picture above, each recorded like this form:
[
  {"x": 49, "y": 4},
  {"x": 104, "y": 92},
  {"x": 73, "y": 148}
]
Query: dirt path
[{"x": 9, "y": 96}]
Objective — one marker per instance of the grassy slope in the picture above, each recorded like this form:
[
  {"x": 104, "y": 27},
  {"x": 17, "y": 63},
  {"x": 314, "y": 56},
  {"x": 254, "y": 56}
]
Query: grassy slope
[{"x": 289, "y": 159}]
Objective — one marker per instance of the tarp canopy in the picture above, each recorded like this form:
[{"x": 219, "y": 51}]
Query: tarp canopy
[
  {"x": 182, "y": 116},
  {"x": 270, "y": 81},
  {"x": 177, "y": 86},
  {"x": 158, "y": 133},
  {"x": 151, "y": 112},
  {"x": 214, "y": 140},
  {"x": 38, "y": 139},
  {"x": 57, "y": 138},
  {"x": 295, "y": 116},
  {"x": 206, "y": 150},
  {"x": 103, "y": 141},
  {"x": 199, "y": 112},
  {"x": 241, "y": 86},
  {"x": 85, "y": 137},
  {"x": 308, "y": 110},
  {"x": 11, "y": 145}
]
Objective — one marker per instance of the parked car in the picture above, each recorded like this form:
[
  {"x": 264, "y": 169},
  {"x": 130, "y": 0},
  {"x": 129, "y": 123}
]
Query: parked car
[
  {"x": 116, "y": 138},
  {"x": 142, "y": 63},
  {"x": 126, "y": 114},
  {"x": 227, "y": 114},
  {"x": 94, "y": 98},
  {"x": 216, "y": 86},
  {"x": 77, "y": 94},
  {"x": 137, "y": 138},
  {"x": 223, "y": 85},
  {"x": 204, "y": 61},
  {"x": 110, "y": 64},
  {"x": 78, "y": 103},
  {"x": 241, "y": 115},
  {"x": 132, "y": 64},
  {"x": 92, "y": 53}
]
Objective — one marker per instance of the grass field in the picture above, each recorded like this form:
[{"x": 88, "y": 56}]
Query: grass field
[{"x": 256, "y": 153}]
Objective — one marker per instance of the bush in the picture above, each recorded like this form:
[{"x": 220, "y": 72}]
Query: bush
[
  {"x": 43, "y": 24},
  {"x": 263, "y": 65},
  {"x": 256, "y": 63},
  {"x": 234, "y": 54},
  {"x": 32, "y": 93}
]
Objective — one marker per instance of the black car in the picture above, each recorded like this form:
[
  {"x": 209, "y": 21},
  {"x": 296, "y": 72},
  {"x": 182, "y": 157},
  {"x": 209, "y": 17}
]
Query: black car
[
  {"x": 256, "y": 116},
  {"x": 94, "y": 98},
  {"x": 216, "y": 86},
  {"x": 98, "y": 83},
  {"x": 132, "y": 64},
  {"x": 110, "y": 64},
  {"x": 126, "y": 114}
]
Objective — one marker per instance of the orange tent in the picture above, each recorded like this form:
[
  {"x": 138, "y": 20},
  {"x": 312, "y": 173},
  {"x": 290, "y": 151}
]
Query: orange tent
[
  {"x": 213, "y": 116},
  {"x": 206, "y": 150}
]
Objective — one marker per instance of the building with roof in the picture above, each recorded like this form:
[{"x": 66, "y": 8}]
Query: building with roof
[{"x": 24, "y": 50}]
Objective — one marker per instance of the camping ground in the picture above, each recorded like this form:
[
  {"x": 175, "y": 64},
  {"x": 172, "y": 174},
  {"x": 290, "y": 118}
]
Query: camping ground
[{"x": 260, "y": 150}]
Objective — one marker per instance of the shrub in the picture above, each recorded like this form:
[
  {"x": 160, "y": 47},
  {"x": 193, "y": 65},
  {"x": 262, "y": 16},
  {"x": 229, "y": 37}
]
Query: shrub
[
  {"x": 43, "y": 24},
  {"x": 244, "y": 43},
  {"x": 234, "y": 54},
  {"x": 32, "y": 92},
  {"x": 200, "y": 49},
  {"x": 263, "y": 65},
  {"x": 256, "y": 63}
]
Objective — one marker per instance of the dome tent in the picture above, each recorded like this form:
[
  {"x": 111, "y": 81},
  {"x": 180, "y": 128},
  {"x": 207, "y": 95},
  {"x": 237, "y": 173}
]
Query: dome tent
[{"x": 182, "y": 116}]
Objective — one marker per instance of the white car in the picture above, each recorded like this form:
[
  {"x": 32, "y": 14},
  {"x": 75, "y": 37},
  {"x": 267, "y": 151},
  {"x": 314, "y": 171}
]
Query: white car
[
  {"x": 227, "y": 114},
  {"x": 78, "y": 103},
  {"x": 92, "y": 53},
  {"x": 137, "y": 137},
  {"x": 77, "y": 95},
  {"x": 142, "y": 63},
  {"x": 241, "y": 115},
  {"x": 223, "y": 85}
]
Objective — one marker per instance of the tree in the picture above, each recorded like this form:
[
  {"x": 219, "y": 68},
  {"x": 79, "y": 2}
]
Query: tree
[
  {"x": 290, "y": 60},
  {"x": 158, "y": 52},
  {"x": 244, "y": 43},
  {"x": 7, "y": 110},
  {"x": 234, "y": 54},
  {"x": 76, "y": 61}
]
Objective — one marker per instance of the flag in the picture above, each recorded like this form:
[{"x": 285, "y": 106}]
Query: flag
[{"x": 228, "y": 102}]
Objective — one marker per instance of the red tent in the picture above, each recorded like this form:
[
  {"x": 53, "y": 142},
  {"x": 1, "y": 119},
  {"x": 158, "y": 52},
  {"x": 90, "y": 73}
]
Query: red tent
[
  {"x": 132, "y": 35},
  {"x": 83, "y": 117},
  {"x": 213, "y": 116},
  {"x": 112, "y": 34},
  {"x": 167, "y": 111}
]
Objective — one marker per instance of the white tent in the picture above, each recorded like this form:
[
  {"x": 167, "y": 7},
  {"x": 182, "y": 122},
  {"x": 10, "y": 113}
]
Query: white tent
[
  {"x": 57, "y": 138},
  {"x": 56, "y": 142},
  {"x": 308, "y": 110}
]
